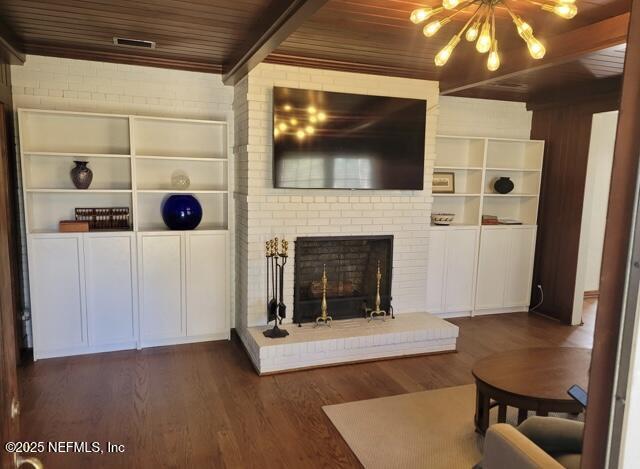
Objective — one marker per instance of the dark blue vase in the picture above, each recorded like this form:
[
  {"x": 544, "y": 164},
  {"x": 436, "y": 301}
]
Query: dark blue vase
[{"x": 181, "y": 212}]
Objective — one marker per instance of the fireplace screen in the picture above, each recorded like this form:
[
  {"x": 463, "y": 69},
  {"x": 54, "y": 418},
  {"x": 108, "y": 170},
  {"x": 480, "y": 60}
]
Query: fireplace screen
[{"x": 351, "y": 263}]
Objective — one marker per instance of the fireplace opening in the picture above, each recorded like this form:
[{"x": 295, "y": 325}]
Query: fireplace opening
[{"x": 351, "y": 263}]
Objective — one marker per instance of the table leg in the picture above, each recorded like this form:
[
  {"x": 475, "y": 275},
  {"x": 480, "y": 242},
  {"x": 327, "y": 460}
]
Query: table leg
[
  {"x": 522, "y": 415},
  {"x": 482, "y": 411},
  {"x": 502, "y": 413}
]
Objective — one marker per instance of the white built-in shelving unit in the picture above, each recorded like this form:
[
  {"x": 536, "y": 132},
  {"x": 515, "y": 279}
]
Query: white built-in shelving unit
[
  {"x": 146, "y": 286},
  {"x": 132, "y": 159},
  {"x": 477, "y": 162},
  {"x": 476, "y": 269}
]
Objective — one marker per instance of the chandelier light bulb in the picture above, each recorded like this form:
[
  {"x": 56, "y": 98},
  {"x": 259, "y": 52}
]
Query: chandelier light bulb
[
  {"x": 484, "y": 41},
  {"x": 420, "y": 15},
  {"x": 493, "y": 61},
  {"x": 524, "y": 28},
  {"x": 443, "y": 56},
  {"x": 276, "y": 132},
  {"x": 432, "y": 28},
  {"x": 300, "y": 134},
  {"x": 283, "y": 126},
  {"x": 473, "y": 31},
  {"x": 480, "y": 27},
  {"x": 321, "y": 116},
  {"x": 310, "y": 130},
  {"x": 450, "y": 4},
  {"x": 293, "y": 121},
  {"x": 313, "y": 119},
  {"x": 287, "y": 107},
  {"x": 312, "y": 110},
  {"x": 536, "y": 49},
  {"x": 563, "y": 10}
]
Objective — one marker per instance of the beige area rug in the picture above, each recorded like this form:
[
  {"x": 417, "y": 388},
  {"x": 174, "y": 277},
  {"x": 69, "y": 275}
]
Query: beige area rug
[{"x": 428, "y": 429}]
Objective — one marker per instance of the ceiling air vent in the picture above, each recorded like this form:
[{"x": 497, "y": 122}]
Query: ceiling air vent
[{"x": 121, "y": 41}]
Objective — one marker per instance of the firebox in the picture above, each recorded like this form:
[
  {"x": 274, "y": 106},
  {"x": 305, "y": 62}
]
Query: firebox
[{"x": 351, "y": 263}]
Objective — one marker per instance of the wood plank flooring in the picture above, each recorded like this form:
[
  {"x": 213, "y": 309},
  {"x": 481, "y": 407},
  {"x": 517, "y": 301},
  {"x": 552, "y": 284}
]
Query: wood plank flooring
[{"x": 202, "y": 405}]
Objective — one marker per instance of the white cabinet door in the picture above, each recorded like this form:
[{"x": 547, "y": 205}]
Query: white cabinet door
[
  {"x": 492, "y": 265},
  {"x": 110, "y": 280},
  {"x": 436, "y": 271},
  {"x": 161, "y": 266},
  {"x": 462, "y": 245},
  {"x": 520, "y": 266},
  {"x": 207, "y": 302},
  {"x": 57, "y": 292}
]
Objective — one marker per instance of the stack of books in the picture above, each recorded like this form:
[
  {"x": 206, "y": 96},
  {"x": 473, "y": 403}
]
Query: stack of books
[
  {"x": 490, "y": 220},
  {"x": 494, "y": 220}
]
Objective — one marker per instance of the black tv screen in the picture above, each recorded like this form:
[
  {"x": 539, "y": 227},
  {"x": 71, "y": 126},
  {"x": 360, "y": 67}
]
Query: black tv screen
[{"x": 326, "y": 140}]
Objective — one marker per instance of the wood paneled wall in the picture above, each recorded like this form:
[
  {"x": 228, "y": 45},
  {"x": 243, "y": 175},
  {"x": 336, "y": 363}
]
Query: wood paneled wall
[
  {"x": 7, "y": 180},
  {"x": 565, "y": 125}
]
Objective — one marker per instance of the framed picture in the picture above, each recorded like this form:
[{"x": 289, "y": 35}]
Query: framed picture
[{"x": 444, "y": 183}]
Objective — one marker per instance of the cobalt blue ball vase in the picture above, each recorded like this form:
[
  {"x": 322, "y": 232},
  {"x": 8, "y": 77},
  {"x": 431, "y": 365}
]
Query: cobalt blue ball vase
[{"x": 182, "y": 212}]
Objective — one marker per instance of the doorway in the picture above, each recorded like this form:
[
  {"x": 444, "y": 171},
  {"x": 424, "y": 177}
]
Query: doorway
[{"x": 594, "y": 211}]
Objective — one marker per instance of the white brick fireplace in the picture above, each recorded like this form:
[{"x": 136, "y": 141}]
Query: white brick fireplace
[{"x": 263, "y": 212}]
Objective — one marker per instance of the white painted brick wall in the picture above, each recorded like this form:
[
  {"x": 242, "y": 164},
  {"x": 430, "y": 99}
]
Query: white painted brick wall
[
  {"x": 263, "y": 212},
  {"x": 483, "y": 118},
  {"x": 87, "y": 86}
]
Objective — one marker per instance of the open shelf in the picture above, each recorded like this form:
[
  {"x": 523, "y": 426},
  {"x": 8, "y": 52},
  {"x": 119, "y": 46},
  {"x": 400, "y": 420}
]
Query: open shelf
[
  {"x": 457, "y": 168},
  {"x": 525, "y": 183},
  {"x": 456, "y": 195},
  {"x": 50, "y": 173},
  {"x": 466, "y": 208},
  {"x": 459, "y": 152},
  {"x": 84, "y": 191},
  {"x": 466, "y": 181},
  {"x": 515, "y": 154},
  {"x": 515, "y": 170},
  {"x": 214, "y": 210},
  {"x": 79, "y": 133},
  {"x": 180, "y": 158},
  {"x": 45, "y": 209},
  {"x": 204, "y": 175},
  {"x": 179, "y": 138},
  {"x": 75, "y": 156},
  {"x": 523, "y": 209},
  {"x": 511, "y": 195}
]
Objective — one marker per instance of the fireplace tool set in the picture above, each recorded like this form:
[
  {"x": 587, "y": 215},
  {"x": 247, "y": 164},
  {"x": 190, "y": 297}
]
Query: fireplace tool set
[{"x": 276, "y": 309}]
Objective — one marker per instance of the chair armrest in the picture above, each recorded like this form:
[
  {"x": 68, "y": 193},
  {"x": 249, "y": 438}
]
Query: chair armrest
[{"x": 506, "y": 448}]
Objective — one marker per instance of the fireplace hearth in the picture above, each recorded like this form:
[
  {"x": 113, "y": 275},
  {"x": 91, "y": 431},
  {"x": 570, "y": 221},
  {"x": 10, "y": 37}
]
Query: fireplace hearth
[{"x": 351, "y": 265}]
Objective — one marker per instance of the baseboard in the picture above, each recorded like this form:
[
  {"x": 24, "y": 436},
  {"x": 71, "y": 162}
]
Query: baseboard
[
  {"x": 451, "y": 315},
  {"x": 592, "y": 295},
  {"x": 513, "y": 309}
]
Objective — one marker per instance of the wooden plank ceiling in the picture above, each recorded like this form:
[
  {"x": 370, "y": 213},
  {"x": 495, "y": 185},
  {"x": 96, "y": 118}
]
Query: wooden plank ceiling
[{"x": 371, "y": 36}]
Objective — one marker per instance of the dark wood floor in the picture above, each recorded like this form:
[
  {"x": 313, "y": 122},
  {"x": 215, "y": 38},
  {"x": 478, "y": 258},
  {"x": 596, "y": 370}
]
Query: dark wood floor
[{"x": 203, "y": 405}]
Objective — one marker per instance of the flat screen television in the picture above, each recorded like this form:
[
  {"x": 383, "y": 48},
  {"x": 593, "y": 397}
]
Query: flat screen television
[{"x": 326, "y": 140}]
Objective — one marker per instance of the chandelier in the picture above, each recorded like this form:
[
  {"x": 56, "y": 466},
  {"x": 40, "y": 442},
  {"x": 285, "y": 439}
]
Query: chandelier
[{"x": 481, "y": 26}]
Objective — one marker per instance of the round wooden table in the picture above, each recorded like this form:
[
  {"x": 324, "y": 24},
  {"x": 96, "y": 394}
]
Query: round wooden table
[{"x": 534, "y": 379}]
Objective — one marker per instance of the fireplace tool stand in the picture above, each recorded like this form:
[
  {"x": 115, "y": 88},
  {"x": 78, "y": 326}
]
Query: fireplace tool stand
[
  {"x": 377, "y": 313},
  {"x": 276, "y": 310},
  {"x": 324, "y": 318}
]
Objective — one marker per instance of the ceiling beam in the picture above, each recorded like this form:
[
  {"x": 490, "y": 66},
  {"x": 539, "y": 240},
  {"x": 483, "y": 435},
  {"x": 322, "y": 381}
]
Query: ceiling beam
[
  {"x": 10, "y": 51},
  {"x": 267, "y": 39},
  {"x": 562, "y": 48}
]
